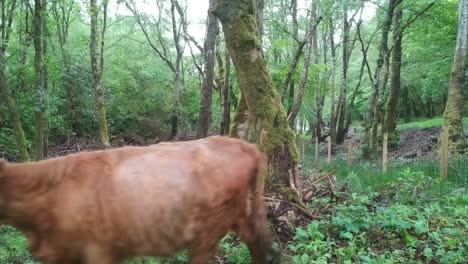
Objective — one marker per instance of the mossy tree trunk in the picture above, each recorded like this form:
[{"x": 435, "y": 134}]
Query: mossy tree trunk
[
  {"x": 96, "y": 68},
  {"x": 341, "y": 110},
  {"x": 20, "y": 139},
  {"x": 241, "y": 122},
  {"x": 453, "y": 114},
  {"x": 319, "y": 95},
  {"x": 45, "y": 78},
  {"x": 389, "y": 122},
  {"x": 268, "y": 124},
  {"x": 259, "y": 6},
  {"x": 392, "y": 102},
  {"x": 383, "y": 51},
  {"x": 8, "y": 10},
  {"x": 225, "y": 98},
  {"x": 40, "y": 106},
  {"x": 332, "y": 82}
]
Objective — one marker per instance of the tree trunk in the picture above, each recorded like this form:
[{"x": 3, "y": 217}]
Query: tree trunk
[
  {"x": 241, "y": 122},
  {"x": 45, "y": 78},
  {"x": 305, "y": 68},
  {"x": 287, "y": 83},
  {"x": 392, "y": 102},
  {"x": 332, "y": 124},
  {"x": 260, "y": 5},
  {"x": 97, "y": 71},
  {"x": 177, "y": 114},
  {"x": 226, "y": 107},
  {"x": 204, "y": 117},
  {"x": 8, "y": 14},
  {"x": 20, "y": 139},
  {"x": 39, "y": 110},
  {"x": 340, "y": 132},
  {"x": 270, "y": 129},
  {"x": 349, "y": 116},
  {"x": 318, "y": 89},
  {"x": 290, "y": 97},
  {"x": 292, "y": 68},
  {"x": 177, "y": 71},
  {"x": 61, "y": 12},
  {"x": 382, "y": 97},
  {"x": 453, "y": 114},
  {"x": 383, "y": 51},
  {"x": 162, "y": 50}
]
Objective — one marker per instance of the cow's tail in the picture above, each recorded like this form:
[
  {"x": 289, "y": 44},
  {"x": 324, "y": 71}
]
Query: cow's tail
[{"x": 260, "y": 244}]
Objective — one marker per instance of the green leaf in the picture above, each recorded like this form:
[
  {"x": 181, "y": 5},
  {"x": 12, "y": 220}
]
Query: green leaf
[
  {"x": 427, "y": 252},
  {"x": 421, "y": 227},
  {"x": 305, "y": 259},
  {"x": 347, "y": 235}
]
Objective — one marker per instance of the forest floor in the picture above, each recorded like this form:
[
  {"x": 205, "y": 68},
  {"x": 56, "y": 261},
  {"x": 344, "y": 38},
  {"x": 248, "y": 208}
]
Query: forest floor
[{"x": 420, "y": 138}]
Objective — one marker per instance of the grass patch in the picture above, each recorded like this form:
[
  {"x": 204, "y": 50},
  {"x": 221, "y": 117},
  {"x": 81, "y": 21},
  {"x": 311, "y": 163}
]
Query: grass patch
[
  {"x": 13, "y": 247},
  {"x": 427, "y": 123}
]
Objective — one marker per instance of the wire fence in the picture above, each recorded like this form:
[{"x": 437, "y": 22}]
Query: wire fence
[{"x": 409, "y": 155}]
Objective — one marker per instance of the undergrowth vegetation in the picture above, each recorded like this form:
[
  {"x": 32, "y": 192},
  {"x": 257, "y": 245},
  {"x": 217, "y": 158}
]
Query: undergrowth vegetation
[
  {"x": 362, "y": 229},
  {"x": 427, "y": 123},
  {"x": 399, "y": 220}
]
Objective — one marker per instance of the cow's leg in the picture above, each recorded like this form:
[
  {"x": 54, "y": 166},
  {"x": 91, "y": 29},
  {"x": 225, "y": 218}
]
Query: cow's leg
[
  {"x": 258, "y": 244},
  {"x": 203, "y": 252}
]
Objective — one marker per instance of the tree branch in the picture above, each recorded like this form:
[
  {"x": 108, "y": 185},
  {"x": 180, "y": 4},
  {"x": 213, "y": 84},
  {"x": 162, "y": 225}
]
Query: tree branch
[
  {"x": 197, "y": 64},
  {"x": 148, "y": 38},
  {"x": 192, "y": 39},
  {"x": 277, "y": 24},
  {"x": 364, "y": 51},
  {"x": 412, "y": 19}
]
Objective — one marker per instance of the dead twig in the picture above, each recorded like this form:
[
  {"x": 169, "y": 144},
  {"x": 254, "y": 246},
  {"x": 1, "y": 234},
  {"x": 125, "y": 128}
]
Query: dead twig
[
  {"x": 277, "y": 239},
  {"x": 331, "y": 183},
  {"x": 319, "y": 180},
  {"x": 293, "y": 182},
  {"x": 300, "y": 207}
]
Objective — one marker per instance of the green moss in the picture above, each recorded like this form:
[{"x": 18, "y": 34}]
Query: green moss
[
  {"x": 239, "y": 118},
  {"x": 453, "y": 121},
  {"x": 268, "y": 123},
  {"x": 288, "y": 194}
]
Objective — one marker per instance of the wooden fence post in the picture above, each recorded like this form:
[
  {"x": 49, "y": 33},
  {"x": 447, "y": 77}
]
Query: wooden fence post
[
  {"x": 316, "y": 148},
  {"x": 385, "y": 153},
  {"x": 350, "y": 154},
  {"x": 444, "y": 154}
]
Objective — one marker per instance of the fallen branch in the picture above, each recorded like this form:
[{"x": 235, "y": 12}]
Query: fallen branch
[
  {"x": 319, "y": 180},
  {"x": 293, "y": 181},
  {"x": 300, "y": 207},
  {"x": 331, "y": 184},
  {"x": 277, "y": 238}
]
